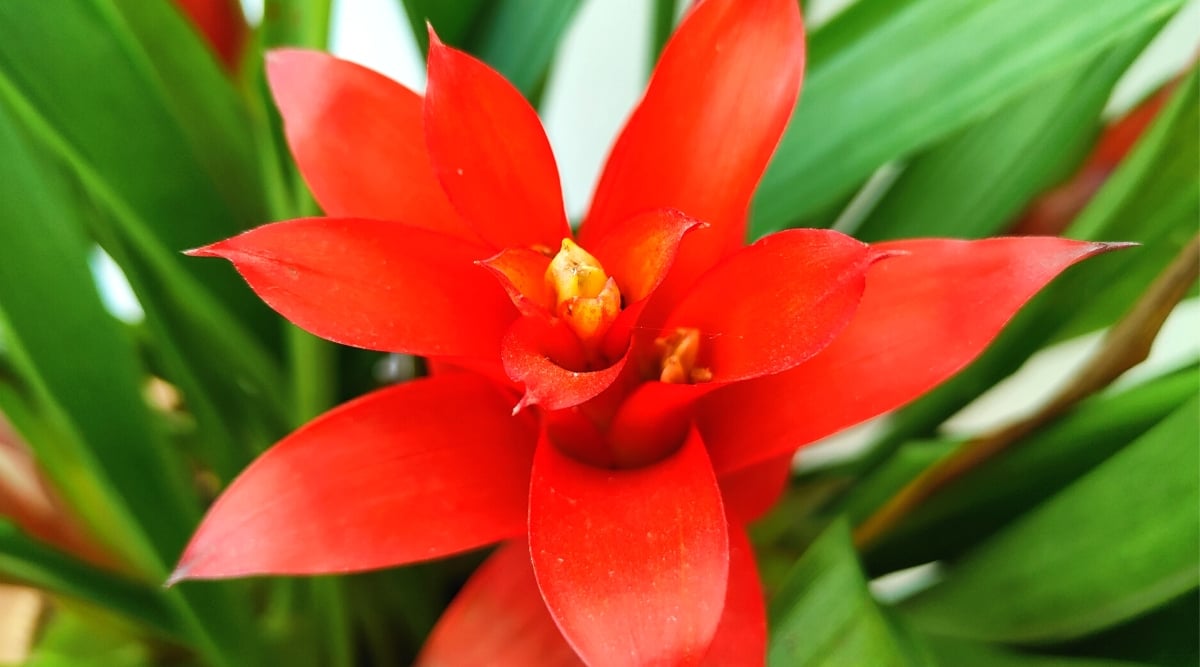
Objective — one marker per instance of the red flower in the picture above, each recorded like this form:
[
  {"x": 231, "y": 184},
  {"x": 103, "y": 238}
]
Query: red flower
[{"x": 667, "y": 372}]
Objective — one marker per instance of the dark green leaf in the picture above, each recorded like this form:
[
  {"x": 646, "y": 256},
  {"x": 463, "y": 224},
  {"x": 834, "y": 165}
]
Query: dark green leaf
[
  {"x": 824, "y": 614},
  {"x": 1117, "y": 543},
  {"x": 27, "y": 562},
  {"x": 517, "y": 37},
  {"x": 889, "y": 77},
  {"x": 983, "y": 501},
  {"x": 959, "y": 653},
  {"x": 1169, "y": 636}
]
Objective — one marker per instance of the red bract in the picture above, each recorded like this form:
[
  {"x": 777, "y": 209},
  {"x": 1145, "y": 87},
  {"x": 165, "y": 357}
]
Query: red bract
[{"x": 662, "y": 374}]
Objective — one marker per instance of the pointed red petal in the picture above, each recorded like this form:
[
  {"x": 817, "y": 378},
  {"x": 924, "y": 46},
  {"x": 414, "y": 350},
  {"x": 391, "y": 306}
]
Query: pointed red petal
[
  {"x": 711, "y": 117},
  {"x": 408, "y": 473},
  {"x": 541, "y": 354},
  {"x": 499, "y": 619},
  {"x": 359, "y": 140},
  {"x": 741, "y": 637},
  {"x": 633, "y": 564},
  {"x": 490, "y": 153},
  {"x": 522, "y": 273},
  {"x": 924, "y": 316},
  {"x": 637, "y": 252},
  {"x": 374, "y": 284},
  {"x": 752, "y": 491},
  {"x": 774, "y": 304}
]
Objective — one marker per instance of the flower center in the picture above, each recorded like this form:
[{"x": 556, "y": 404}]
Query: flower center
[
  {"x": 585, "y": 297},
  {"x": 677, "y": 357}
]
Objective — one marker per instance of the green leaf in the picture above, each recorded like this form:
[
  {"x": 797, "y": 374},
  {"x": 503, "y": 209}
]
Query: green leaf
[
  {"x": 72, "y": 388},
  {"x": 956, "y": 653},
  {"x": 888, "y": 77},
  {"x": 975, "y": 506},
  {"x": 82, "y": 372},
  {"x": 1167, "y": 636},
  {"x": 1151, "y": 199},
  {"x": 1119, "y": 542},
  {"x": 517, "y": 37},
  {"x": 452, "y": 19},
  {"x": 163, "y": 131},
  {"x": 972, "y": 184},
  {"x": 25, "y": 561},
  {"x": 177, "y": 170},
  {"x": 824, "y": 614}
]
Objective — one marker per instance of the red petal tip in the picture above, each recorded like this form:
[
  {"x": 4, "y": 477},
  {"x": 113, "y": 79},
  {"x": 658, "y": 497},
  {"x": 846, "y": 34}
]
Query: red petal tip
[
  {"x": 434, "y": 40},
  {"x": 1106, "y": 246},
  {"x": 177, "y": 576},
  {"x": 205, "y": 251}
]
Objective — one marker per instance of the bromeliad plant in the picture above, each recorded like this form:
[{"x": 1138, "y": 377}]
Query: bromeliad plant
[
  {"x": 614, "y": 407},
  {"x": 619, "y": 415}
]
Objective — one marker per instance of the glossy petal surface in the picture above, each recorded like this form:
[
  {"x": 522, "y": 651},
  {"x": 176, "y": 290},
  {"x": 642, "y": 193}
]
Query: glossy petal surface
[
  {"x": 741, "y": 637},
  {"x": 490, "y": 153},
  {"x": 632, "y": 564},
  {"x": 774, "y": 304},
  {"x": 499, "y": 619},
  {"x": 359, "y": 140},
  {"x": 374, "y": 284},
  {"x": 925, "y": 315},
  {"x": 408, "y": 473},
  {"x": 711, "y": 117}
]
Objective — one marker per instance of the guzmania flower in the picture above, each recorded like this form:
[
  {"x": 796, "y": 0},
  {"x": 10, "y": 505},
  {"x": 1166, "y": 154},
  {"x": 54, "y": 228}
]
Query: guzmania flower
[{"x": 614, "y": 405}]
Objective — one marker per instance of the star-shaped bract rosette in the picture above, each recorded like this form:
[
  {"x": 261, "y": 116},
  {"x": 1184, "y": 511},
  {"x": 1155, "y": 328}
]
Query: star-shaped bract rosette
[{"x": 613, "y": 407}]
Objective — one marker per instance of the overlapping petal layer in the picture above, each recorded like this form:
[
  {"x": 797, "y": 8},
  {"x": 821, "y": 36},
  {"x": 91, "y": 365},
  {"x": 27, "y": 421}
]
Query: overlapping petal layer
[
  {"x": 408, "y": 473},
  {"x": 534, "y": 353},
  {"x": 490, "y": 153},
  {"x": 711, "y": 117},
  {"x": 359, "y": 140},
  {"x": 633, "y": 564},
  {"x": 924, "y": 315},
  {"x": 499, "y": 619},
  {"x": 776, "y": 303},
  {"x": 374, "y": 284}
]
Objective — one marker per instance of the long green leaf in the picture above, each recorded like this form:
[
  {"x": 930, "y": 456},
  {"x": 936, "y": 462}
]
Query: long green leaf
[
  {"x": 72, "y": 387},
  {"x": 1117, "y": 543},
  {"x": 888, "y": 77},
  {"x": 186, "y": 105},
  {"x": 958, "y": 653},
  {"x": 980, "y": 503},
  {"x": 824, "y": 614},
  {"x": 180, "y": 163},
  {"x": 972, "y": 184},
  {"x": 1153, "y": 198},
  {"x": 25, "y": 561},
  {"x": 1166, "y": 637}
]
